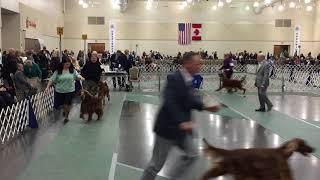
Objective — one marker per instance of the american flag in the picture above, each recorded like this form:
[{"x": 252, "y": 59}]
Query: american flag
[{"x": 184, "y": 33}]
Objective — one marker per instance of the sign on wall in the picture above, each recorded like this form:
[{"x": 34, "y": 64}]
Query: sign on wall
[
  {"x": 30, "y": 23},
  {"x": 297, "y": 39},
  {"x": 112, "y": 37},
  {"x": 60, "y": 31}
]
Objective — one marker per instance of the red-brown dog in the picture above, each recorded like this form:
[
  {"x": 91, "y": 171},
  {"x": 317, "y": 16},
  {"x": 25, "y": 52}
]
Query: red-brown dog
[
  {"x": 90, "y": 104},
  {"x": 232, "y": 84},
  {"x": 103, "y": 91},
  {"x": 255, "y": 163}
]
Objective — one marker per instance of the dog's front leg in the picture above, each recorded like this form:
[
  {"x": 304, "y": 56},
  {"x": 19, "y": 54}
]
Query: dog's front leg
[
  {"x": 90, "y": 116},
  {"x": 81, "y": 111},
  {"x": 214, "y": 172},
  {"x": 285, "y": 173}
]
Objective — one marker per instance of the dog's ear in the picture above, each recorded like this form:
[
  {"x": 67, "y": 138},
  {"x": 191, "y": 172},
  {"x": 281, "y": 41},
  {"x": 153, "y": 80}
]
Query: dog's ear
[
  {"x": 289, "y": 147},
  {"x": 296, "y": 145}
]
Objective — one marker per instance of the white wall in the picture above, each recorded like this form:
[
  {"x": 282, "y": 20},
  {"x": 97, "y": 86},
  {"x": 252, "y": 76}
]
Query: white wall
[
  {"x": 48, "y": 16},
  {"x": 316, "y": 28},
  {"x": 10, "y": 31},
  {"x": 223, "y": 30},
  {"x": 12, "y": 5}
]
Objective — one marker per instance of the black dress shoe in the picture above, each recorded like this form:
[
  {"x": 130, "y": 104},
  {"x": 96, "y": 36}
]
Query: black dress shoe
[
  {"x": 270, "y": 108},
  {"x": 65, "y": 120},
  {"x": 260, "y": 110}
]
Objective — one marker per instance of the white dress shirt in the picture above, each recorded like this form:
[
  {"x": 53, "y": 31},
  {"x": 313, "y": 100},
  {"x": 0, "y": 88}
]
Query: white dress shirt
[{"x": 186, "y": 76}]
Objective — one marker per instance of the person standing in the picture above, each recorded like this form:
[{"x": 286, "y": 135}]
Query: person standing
[
  {"x": 227, "y": 66},
  {"x": 64, "y": 84},
  {"x": 262, "y": 83},
  {"x": 92, "y": 73},
  {"x": 173, "y": 126}
]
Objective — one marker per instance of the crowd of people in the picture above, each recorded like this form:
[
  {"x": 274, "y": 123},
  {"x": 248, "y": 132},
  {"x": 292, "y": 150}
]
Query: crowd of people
[{"x": 23, "y": 73}]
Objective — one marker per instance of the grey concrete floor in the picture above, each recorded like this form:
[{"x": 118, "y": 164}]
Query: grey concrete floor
[{"x": 136, "y": 141}]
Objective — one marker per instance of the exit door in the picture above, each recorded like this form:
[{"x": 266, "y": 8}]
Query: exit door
[
  {"x": 280, "y": 48},
  {"x": 99, "y": 47}
]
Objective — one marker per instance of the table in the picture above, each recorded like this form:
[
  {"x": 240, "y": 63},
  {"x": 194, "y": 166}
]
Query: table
[{"x": 116, "y": 74}]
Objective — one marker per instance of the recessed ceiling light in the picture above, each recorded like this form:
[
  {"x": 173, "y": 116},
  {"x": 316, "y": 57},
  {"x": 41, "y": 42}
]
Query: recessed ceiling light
[
  {"x": 280, "y": 8},
  {"x": 256, "y": 4},
  {"x": 309, "y": 8},
  {"x": 85, "y": 5},
  {"x": 307, "y": 1},
  {"x": 267, "y": 2},
  {"x": 214, "y": 7},
  {"x": 247, "y": 8},
  {"x": 292, "y": 4},
  {"x": 228, "y": 1},
  {"x": 220, "y": 4}
]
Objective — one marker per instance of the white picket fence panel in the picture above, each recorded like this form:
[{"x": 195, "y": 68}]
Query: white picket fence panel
[
  {"x": 283, "y": 78},
  {"x": 15, "y": 119}
]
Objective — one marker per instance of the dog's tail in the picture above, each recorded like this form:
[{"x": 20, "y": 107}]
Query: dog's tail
[
  {"x": 243, "y": 78},
  {"x": 209, "y": 149}
]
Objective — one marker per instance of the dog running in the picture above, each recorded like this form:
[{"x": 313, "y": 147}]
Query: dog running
[
  {"x": 255, "y": 163},
  {"x": 231, "y": 84}
]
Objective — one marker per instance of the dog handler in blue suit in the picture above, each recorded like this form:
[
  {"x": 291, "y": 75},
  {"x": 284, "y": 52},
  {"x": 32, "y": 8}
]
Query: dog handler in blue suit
[{"x": 173, "y": 126}]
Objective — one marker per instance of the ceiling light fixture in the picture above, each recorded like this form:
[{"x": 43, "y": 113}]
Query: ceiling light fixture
[
  {"x": 220, "y": 3},
  {"x": 247, "y": 7},
  {"x": 115, "y": 4},
  {"x": 80, "y": 2},
  {"x": 256, "y": 4},
  {"x": 309, "y": 8},
  {"x": 307, "y": 1},
  {"x": 280, "y": 8},
  {"x": 149, "y": 4},
  {"x": 228, "y": 1},
  {"x": 214, "y": 7},
  {"x": 85, "y": 5},
  {"x": 184, "y": 3},
  {"x": 189, "y": 1},
  {"x": 292, "y": 4},
  {"x": 267, "y": 2}
]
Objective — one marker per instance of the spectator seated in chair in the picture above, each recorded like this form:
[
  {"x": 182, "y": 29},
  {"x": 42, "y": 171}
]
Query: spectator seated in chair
[{"x": 22, "y": 86}]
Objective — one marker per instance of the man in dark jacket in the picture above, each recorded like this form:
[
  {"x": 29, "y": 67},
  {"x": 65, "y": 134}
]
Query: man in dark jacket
[
  {"x": 43, "y": 62},
  {"x": 174, "y": 125},
  {"x": 92, "y": 73},
  {"x": 9, "y": 66}
]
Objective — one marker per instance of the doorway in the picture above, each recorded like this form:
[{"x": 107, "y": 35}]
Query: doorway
[
  {"x": 99, "y": 47},
  {"x": 280, "y": 48},
  {"x": 32, "y": 44}
]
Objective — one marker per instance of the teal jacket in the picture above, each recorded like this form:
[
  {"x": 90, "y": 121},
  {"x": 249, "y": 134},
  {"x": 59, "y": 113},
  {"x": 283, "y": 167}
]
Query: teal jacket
[{"x": 32, "y": 72}]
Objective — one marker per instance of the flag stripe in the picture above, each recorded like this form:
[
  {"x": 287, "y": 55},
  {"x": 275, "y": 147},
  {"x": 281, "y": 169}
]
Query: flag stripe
[{"x": 184, "y": 32}]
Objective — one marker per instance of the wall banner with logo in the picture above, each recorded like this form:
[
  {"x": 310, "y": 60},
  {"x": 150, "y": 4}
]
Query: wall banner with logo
[
  {"x": 297, "y": 39},
  {"x": 112, "y": 37}
]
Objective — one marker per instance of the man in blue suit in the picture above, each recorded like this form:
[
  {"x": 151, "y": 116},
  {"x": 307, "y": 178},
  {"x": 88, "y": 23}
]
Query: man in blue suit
[{"x": 174, "y": 125}]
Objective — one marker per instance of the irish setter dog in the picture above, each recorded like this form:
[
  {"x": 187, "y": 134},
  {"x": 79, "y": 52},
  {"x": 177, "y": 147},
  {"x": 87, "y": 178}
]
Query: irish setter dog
[
  {"x": 103, "y": 91},
  {"x": 232, "y": 83},
  {"x": 255, "y": 163},
  {"x": 90, "y": 104}
]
